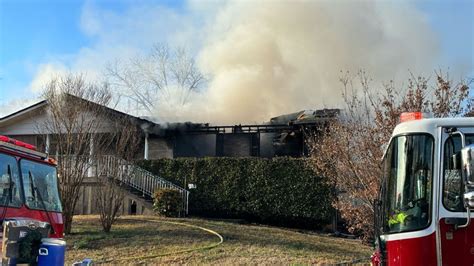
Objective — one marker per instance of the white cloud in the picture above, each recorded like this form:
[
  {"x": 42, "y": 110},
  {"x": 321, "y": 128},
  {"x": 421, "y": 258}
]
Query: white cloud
[
  {"x": 16, "y": 105},
  {"x": 119, "y": 35}
]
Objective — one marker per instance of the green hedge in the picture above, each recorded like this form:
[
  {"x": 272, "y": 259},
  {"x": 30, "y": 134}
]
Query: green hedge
[
  {"x": 168, "y": 202},
  {"x": 282, "y": 191}
]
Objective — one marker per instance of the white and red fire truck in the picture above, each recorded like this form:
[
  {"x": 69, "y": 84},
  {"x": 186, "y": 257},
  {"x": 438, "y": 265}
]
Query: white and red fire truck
[
  {"x": 30, "y": 206},
  {"x": 423, "y": 214}
]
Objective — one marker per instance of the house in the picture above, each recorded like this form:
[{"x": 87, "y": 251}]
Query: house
[
  {"x": 28, "y": 125},
  {"x": 281, "y": 136}
]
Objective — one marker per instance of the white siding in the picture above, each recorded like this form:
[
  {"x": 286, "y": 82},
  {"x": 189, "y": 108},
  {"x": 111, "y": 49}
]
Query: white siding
[{"x": 32, "y": 123}]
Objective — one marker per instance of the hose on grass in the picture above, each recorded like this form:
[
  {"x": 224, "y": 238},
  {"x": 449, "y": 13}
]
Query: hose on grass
[
  {"x": 356, "y": 261},
  {"x": 221, "y": 240}
]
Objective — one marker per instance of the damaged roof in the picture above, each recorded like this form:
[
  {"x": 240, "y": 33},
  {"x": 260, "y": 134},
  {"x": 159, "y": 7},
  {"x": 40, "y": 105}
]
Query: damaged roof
[{"x": 306, "y": 116}]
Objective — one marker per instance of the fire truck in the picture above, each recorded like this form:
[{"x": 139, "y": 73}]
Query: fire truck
[
  {"x": 423, "y": 214},
  {"x": 29, "y": 197}
]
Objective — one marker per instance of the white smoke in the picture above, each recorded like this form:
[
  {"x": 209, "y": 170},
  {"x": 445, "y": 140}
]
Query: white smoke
[
  {"x": 268, "y": 58},
  {"x": 262, "y": 58}
]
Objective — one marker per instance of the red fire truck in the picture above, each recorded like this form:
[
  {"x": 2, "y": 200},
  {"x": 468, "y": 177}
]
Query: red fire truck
[
  {"x": 29, "y": 185},
  {"x": 423, "y": 214}
]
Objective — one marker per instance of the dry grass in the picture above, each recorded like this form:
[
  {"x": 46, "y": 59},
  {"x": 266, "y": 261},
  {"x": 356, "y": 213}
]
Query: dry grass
[{"x": 133, "y": 237}]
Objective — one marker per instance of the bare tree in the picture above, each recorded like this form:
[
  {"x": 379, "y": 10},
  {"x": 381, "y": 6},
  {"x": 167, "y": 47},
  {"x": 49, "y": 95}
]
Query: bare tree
[
  {"x": 350, "y": 150},
  {"x": 124, "y": 144},
  {"x": 163, "y": 75},
  {"x": 74, "y": 120}
]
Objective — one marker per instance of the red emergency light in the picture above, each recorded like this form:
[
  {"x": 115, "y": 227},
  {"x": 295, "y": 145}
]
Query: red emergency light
[
  {"x": 410, "y": 116},
  {"x": 17, "y": 142}
]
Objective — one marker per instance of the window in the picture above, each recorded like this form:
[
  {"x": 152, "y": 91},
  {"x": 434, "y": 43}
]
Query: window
[
  {"x": 9, "y": 182},
  {"x": 408, "y": 170},
  {"x": 40, "y": 186},
  {"x": 453, "y": 186}
]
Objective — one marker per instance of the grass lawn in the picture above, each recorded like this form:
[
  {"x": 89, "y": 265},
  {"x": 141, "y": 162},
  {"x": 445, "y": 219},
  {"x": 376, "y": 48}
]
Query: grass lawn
[{"x": 133, "y": 237}]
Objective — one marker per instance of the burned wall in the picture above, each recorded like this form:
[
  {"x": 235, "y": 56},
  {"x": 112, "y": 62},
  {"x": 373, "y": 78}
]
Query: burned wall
[
  {"x": 266, "y": 145},
  {"x": 237, "y": 145},
  {"x": 195, "y": 145},
  {"x": 160, "y": 148}
]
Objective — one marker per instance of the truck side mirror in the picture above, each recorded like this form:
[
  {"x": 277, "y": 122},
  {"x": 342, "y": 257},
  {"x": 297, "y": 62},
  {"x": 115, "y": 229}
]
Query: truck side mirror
[
  {"x": 467, "y": 164},
  {"x": 469, "y": 200}
]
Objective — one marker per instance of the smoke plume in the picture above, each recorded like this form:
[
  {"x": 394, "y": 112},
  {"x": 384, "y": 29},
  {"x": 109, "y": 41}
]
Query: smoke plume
[{"x": 265, "y": 58}]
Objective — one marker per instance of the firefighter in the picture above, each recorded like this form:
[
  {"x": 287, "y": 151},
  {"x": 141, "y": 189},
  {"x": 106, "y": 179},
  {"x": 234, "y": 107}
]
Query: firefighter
[{"x": 398, "y": 217}]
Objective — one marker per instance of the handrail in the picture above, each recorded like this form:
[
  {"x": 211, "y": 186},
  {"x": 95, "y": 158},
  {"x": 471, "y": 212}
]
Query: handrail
[{"x": 136, "y": 177}]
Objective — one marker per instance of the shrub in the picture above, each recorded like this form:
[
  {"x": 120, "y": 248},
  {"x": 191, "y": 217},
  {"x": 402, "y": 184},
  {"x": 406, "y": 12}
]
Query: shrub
[
  {"x": 280, "y": 191},
  {"x": 168, "y": 202}
]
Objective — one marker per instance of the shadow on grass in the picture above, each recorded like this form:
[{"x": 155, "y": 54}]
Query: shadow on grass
[
  {"x": 143, "y": 234},
  {"x": 238, "y": 237},
  {"x": 289, "y": 240},
  {"x": 295, "y": 245}
]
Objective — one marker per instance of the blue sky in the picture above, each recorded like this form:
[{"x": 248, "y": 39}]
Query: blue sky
[
  {"x": 34, "y": 33},
  {"x": 454, "y": 22},
  {"x": 31, "y": 31}
]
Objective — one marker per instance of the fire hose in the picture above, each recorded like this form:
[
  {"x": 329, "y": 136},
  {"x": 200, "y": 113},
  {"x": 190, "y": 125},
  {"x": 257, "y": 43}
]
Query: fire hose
[
  {"x": 364, "y": 261},
  {"x": 221, "y": 240}
]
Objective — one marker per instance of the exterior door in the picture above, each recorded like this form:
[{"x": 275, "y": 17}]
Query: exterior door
[{"x": 455, "y": 245}]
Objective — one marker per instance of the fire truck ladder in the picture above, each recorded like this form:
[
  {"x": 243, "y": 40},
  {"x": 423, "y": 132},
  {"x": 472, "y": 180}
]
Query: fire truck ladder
[{"x": 137, "y": 178}]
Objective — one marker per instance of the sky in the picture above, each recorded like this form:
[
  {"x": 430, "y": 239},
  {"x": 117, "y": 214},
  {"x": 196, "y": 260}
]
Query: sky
[{"x": 41, "y": 39}]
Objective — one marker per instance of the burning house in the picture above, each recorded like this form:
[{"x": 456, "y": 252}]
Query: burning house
[{"x": 283, "y": 135}]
